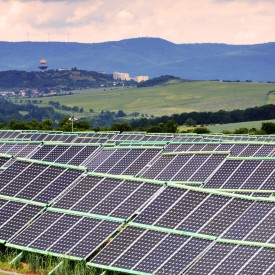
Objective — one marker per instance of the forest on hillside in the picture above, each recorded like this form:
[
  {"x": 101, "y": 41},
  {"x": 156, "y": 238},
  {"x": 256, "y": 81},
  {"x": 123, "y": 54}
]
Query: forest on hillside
[{"x": 59, "y": 79}]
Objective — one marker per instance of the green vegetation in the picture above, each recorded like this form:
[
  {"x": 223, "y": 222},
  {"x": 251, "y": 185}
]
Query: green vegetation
[
  {"x": 65, "y": 79},
  {"x": 157, "y": 81},
  {"x": 37, "y": 264},
  {"x": 218, "y": 128},
  {"x": 206, "y": 118},
  {"x": 176, "y": 97}
]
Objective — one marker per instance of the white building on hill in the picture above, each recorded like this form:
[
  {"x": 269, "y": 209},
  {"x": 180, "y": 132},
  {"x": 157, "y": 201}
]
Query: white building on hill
[{"x": 121, "y": 76}]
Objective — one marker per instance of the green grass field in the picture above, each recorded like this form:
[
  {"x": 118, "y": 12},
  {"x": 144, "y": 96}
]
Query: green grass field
[
  {"x": 218, "y": 128},
  {"x": 176, "y": 97},
  {"x": 232, "y": 126}
]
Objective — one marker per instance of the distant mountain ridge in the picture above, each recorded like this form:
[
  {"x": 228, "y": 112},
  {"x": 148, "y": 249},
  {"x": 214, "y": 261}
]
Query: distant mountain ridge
[{"x": 147, "y": 56}]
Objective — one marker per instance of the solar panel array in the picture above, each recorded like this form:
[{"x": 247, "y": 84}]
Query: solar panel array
[{"x": 141, "y": 203}]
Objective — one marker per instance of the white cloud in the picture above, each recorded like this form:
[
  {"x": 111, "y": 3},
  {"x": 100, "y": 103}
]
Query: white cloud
[{"x": 180, "y": 21}]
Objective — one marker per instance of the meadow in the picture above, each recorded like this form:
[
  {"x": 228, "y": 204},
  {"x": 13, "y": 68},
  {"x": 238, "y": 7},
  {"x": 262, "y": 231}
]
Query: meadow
[
  {"x": 218, "y": 128},
  {"x": 174, "y": 97}
]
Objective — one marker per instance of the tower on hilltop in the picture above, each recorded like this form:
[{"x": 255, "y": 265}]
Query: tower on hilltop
[{"x": 43, "y": 65}]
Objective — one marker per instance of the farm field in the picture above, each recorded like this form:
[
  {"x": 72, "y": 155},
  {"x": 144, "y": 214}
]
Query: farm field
[
  {"x": 175, "y": 97},
  {"x": 218, "y": 128}
]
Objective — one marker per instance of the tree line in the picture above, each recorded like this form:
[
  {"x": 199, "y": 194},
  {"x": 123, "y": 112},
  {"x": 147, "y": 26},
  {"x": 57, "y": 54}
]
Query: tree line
[
  {"x": 29, "y": 116},
  {"x": 170, "y": 126},
  {"x": 265, "y": 112}
]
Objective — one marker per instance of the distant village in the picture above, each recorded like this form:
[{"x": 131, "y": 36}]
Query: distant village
[{"x": 119, "y": 79}]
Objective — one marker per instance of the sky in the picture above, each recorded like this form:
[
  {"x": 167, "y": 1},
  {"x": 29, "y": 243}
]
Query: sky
[{"x": 179, "y": 21}]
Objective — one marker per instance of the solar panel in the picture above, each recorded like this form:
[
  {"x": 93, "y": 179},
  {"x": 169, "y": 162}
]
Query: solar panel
[
  {"x": 191, "y": 167},
  {"x": 57, "y": 186},
  {"x": 225, "y": 217},
  {"x": 99, "y": 159},
  {"x": 160, "y": 205},
  {"x": 84, "y": 186},
  {"x": 170, "y": 228},
  {"x": 110, "y": 197},
  {"x": 174, "y": 167},
  {"x": 82, "y": 155},
  {"x": 55, "y": 153},
  {"x": 43, "y": 152},
  {"x": 111, "y": 161},
  {"x": 263, "y": 231},
  {"x": 150, "y": 251},
  {"x": 15, "y": 186},
  {"x": 14, "y": 216},
  {"x": 224, "y": 172},
  {"x": 260, "y": 263},
  {"x": 157, "y": 167},
  {"x": 249, "y": 220},
  {"x": 27, "y": 150},
  {"x": 12, "y": 172},
  {"x": 245, "y": 174},
  {"x": 3, "y": 160},
  {"x": 125, "y": 162},
  {"x": 138, "y": 164},
  {"x": 66, "y": 234}
]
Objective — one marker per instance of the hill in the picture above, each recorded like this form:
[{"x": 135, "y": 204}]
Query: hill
[
  {"x": 173, "y": 97},
  {"x": 58, "y": 79},
  {"x": 147, "y": 56}
]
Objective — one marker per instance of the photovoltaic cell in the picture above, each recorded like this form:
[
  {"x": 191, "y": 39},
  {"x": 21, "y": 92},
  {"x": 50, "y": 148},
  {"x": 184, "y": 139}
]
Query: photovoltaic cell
[
  {"x": 184, "y": 257},
  {"x": 222, "y": 174},
  {"x": 210, "y": 259},
  {"x": 169, "y": 171},
  {"x": 203, "y": 213},
  {"x": 3, "y": 161},
  {"x": 12, "y": 172},
  {"x": 181, "y": 209},
  {"x": 77, "y": 192},
  {"x": 248, "y": 220},
  {"x": 43, "y": 152},
  {"x": 22, "y": 180},
  {"x": 144, "y": 159},
  {"x": 225, "y": 217},
  {"x": 260, "y": 262},
  {"x": 58, "y": 185},
  {"x": 14, "y": 216},
  {"x": 92, "y": 241},
  {"x": 157, "y": 167},
  {"x": 40, "y": 182},
  {"x": 159, "y": 205},
  {"x": 235, "y": 259},
  {"x": 66, "y": 234},
  {"x": 84, "y": 154},
  {"x": 264, "y": 231},
  {"x": 136, "y": 200}
]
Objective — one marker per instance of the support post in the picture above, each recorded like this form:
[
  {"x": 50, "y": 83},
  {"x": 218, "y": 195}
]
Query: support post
[
  {"x": 56, "y": 268},
  {"x": 16, "y": 259}
]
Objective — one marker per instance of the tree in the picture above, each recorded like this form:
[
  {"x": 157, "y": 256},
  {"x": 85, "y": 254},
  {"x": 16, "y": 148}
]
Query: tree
[
  {"x": 201, "y": 130},
  {"x": 64, "y": 124},
  {"x": 268, "y": 127},
  {"x": 34, "y": 124},
  {"x": 47, "y": 124},
  {"x": 241, "y": 131},
  {"x": 82, "y": 125},
  {"x": 120, "y": 113},
  {"x": 171, "y": 126},
  {"x": 18, "y": 125},
  {"x": 190, "y": 122},
  {"x": 121, "y": 127}
]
